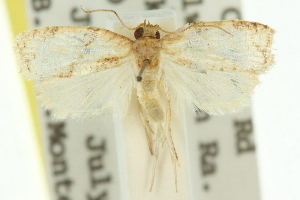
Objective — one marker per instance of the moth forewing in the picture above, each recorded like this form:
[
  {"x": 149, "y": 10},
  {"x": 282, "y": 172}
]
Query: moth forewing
[{"x": 247, "y": 47}]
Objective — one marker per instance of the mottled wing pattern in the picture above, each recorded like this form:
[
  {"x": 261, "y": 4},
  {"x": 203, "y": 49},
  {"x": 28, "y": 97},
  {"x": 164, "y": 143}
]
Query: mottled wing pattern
[
  {"x": 69, "y": 51},
  {"x": 82, "y": 71},
  {"x": 214, "y": 66}
]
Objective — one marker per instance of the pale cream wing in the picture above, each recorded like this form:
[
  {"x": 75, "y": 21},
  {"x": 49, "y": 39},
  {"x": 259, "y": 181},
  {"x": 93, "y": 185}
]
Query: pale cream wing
[
  {"x": 49, "y": 52},
  {"x": 232, "y": 45},
  {"x": 214, "y": 66},
  {"x": 84, "y": 97},
  {"x": 214, "y": 92}
]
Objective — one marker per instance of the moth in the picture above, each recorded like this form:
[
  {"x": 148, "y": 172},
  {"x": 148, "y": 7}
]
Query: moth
[{"x": 87, "y": 72}]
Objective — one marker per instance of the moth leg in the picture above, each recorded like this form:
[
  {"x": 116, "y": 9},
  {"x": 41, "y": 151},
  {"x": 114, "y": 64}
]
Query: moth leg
[
  {"x": 173, "y": 152},
  {"x": 172, "y": 149},
  {"x": 148, "y": 129},
  {"x": 156, "y": 153}
]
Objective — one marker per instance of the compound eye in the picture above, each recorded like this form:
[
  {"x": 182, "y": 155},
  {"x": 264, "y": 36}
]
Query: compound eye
[
  {"x": 138, "y": 33},
  {"x": 157, "y": 35}
]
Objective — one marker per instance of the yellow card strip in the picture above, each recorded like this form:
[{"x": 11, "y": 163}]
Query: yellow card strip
[{"x": 19, "y": 23}]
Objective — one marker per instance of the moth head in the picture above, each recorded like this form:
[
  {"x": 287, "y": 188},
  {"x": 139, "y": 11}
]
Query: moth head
[
  {"x": 142, "y": 30},
  {"x": 147, "y": 30}
]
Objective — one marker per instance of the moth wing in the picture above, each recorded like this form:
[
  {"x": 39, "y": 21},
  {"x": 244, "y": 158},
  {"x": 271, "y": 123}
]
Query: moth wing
[
  {"x": 231, "y": 45},
  {"x": 90, "y": 95},
  {"x": 49, "y": 52},
  {"x": 214, "y": 92},
  {"x": 214, "y": 66}
]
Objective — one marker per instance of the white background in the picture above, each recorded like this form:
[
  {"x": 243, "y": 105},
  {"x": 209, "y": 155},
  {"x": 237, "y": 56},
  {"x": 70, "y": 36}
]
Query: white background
[
  {"x": 276, "y": 112},
  {"x": 277, "y": 101},
  {"x": 20, "y": 170}
]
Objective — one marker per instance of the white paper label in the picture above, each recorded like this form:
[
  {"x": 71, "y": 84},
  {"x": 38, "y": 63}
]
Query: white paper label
[{"x": 81, "y": 156}]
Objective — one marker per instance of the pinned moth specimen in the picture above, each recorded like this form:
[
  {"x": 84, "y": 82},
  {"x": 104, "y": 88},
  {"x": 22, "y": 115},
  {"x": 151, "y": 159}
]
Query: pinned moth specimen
[{"x": 87, "y": 72}]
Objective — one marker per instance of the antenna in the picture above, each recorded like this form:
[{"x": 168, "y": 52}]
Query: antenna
[
  {"x": 159, "y": 28},
  {"x": 206, "y": 25},
  {"x": 105, "y": 10}
]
